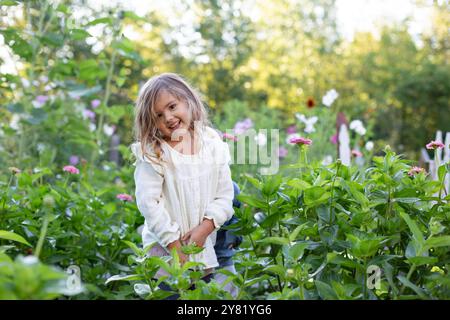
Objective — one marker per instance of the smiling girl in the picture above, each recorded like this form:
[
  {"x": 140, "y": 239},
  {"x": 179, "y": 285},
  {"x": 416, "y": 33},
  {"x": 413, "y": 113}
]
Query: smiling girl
[{"x": 183, "y": 181}]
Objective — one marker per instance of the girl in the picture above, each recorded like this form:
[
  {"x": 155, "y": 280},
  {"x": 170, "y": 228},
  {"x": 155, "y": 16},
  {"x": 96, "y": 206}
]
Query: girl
[{"x": 183, "y": 182}]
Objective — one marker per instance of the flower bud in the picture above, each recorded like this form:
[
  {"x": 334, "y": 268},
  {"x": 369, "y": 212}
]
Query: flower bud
[{"x": 49, "y": 201}]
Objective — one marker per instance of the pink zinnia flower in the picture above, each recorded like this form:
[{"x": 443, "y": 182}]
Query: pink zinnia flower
[
  {"x": 229, "y": 136},
  {"x": 301, "y": 141},
  {"x": 95, "y": 103},
  {"x": 356, "y": 153},
  {"x": 291, "y": 129},
  {"x": 334, "y": 139},
  {"x": 124, "y": 197},
  {"x": 433, "y": 145},
  {"x": 415, "y": 170},
  {"x": 282, "y": 152},
  {"x": 71, "y": 169}
]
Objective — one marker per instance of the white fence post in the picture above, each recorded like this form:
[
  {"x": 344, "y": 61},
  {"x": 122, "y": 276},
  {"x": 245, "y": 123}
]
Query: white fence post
[
  {"x": 344, "y": 145},
  {"x": 439, "y": 158}
]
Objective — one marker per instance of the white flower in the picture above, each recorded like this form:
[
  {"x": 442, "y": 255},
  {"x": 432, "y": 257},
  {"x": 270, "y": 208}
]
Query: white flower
[
  {"x": 329, "y": 97},
  {"x": 369, "y": 146},
  {"x": 327, "y": 160},
  {"x": 92, "y": 126},
  {"x": 108, "y": 130},
  {"x": 40, "y": 147},
  {"x": 358, "y": 127},
  {"x": 289, "y": 137},
  {"x": 29, "y": 260},
  {"x": 14, "y": 123},
  {"x": 261, "y": 139},
  {"x": 25, "y": 82},
  {"x": 309, "y": 122}
]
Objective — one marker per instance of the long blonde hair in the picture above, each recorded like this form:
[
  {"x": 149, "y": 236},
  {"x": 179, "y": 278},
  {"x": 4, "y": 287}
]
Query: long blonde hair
[{"x": 145, "y": 129}]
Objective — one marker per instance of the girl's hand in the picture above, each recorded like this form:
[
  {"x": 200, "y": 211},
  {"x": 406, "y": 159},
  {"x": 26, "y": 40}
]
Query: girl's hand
[
  {"x": 199, "y": 234},
  {"x": 182, "y": 256}
]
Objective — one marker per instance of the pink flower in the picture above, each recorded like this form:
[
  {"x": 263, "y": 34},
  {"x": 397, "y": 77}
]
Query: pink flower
[
  {"x": 415, "y": 170},
  {"x": 74, "y": 160},
  {"x": 89, "y": 114},
  {"x": 15, "y": 170},
  {"x": 71, "y": 169},
  {"x": 291, "y": 129},
  {"x": 282, "y": 152},
  {"x": 301, "y": 141},
  {"x": 95, "y": 103},
  {"x": 41, "y": 99},
  {"x": 242, "y": 126},
  {"x": 356, "y": 153},
  {"x": 228, "y": 136},
  {"x": 334, "y": 139},
  {"x": 124, "y": 197},
  {"x": 433, "y": 145}
]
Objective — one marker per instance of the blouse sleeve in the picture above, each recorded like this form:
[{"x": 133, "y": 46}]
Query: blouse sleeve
[
  {"x": 149, "y": 183},
  {"x": 221, "y": 208}
]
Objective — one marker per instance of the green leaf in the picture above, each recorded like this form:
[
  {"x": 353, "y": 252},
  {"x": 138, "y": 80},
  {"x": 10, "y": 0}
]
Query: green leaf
[
  {"x": 417, "y": 234},
  {"x": 357, "y": 195},
  {"x": 8, "y": 3},
  {"x": 275, "y": 240},
  {"x": 406, "y": 200},
  {"x": 17, "y": 44},
  {"x": 7, "y": 235},
  {"x": 276, "y": 269},
  {"x": 106, "y": 20},
  {"x": 442, "y": 171},
  {"x": 90, "y": 70},
  {"x": 191, "y": 249},
  {"x": 84, "y": 92},
  {"x": 133, "y": 247},
  {"x": 129, "y": 277},
  {"x": 336, "y": 258},
  {"x": 315, "y": 196},
  {"x": 255, "y": 182},
  {"x": 52, "y": 39},
  {"x": 419, "y": 261},
  {"x": 253, "y": 201},
  {"x": 435, "y": 242},
  {"x": 294, "y": 234},
  {"x": 271, "y": 186},
  {"x": 298, "y": 184},
  {"x": 325, "y": 291},
  {"x": 412, "y": 286},
  {"x": 79, "y": 34},
  {"x": 388, "y": 270},
  {"x": 297, "y": 250},
  {"x": 133, "y": 16}
]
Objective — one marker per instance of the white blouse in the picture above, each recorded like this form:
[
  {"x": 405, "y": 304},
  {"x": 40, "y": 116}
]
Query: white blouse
[{"x": 176, "y": 195}]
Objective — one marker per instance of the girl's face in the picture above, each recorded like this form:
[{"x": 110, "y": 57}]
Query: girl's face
[{"x": 171, "y": 114}]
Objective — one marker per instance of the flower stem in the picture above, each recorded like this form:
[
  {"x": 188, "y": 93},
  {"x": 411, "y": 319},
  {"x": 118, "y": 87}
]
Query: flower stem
[{"x": 42, "y": 236}]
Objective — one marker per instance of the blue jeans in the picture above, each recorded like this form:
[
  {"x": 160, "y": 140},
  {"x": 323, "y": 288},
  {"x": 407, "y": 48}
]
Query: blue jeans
[{"x": 226, "y": 240}]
